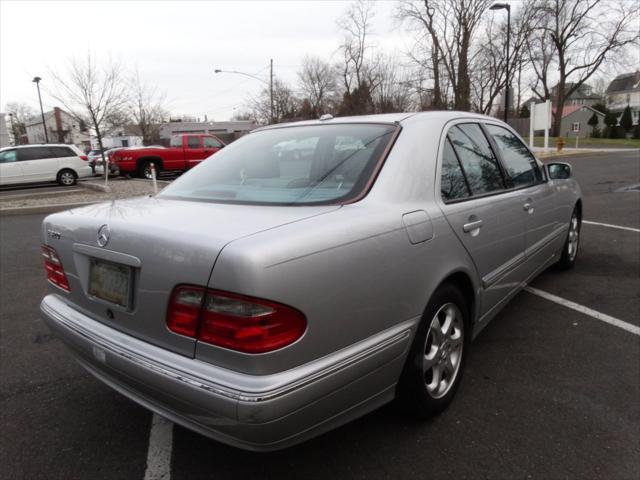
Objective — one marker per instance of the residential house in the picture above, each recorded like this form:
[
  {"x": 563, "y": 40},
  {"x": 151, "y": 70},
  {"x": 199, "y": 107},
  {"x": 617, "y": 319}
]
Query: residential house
[
  {"x": 575, "y": 121},
  {"x": 582, "y": 96},
  {"x": 622, "y": 91},
  {"x": 61, "y": 126}
]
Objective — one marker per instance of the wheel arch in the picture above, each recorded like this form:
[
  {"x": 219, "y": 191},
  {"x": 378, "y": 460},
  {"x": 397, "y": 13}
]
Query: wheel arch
[
  {"x": 156, "y": 160},
  {"x": 463, "y": 282},
  {"x": 579, "y": 208},
  {"x": 66, "y": 169}
]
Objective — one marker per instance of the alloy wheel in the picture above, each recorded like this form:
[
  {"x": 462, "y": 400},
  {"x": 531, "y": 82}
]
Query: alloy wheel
[
  {"x": 574, "y": 236},
  {"x": 443, "y": 350},
  {"x": 67, "y": 178}
]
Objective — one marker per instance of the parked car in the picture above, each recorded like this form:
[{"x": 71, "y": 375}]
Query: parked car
[
  {"x": 262, "y": 299},
  {"x": 43, "y": 163},
  {"x": 99, "y": 166},
  {"x": 185, "y": 152}
]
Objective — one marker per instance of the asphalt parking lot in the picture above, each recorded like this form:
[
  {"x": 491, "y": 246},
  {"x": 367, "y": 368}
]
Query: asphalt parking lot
[{"x": 549, "y": 392}]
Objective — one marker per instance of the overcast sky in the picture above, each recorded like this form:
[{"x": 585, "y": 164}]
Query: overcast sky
[{"x": 176, "y": 44}]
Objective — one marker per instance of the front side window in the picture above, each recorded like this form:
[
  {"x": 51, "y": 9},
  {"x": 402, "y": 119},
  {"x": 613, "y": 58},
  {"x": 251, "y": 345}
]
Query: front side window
[
  {"x": 317, "y": 164},
  {"x": 194, "y": 142},
  {"x": 176, "y": 142},
  {"x": 453, "y": 184},
  {"x": 478, "y": 161},
  {"x": 8, "y": 156},
  {"x": 210, "y": 142},
  {"x": 520, "y": 165}
]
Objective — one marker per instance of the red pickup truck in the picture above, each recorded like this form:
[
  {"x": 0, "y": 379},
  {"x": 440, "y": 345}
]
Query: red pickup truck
[{"x": 185, "y": 151}]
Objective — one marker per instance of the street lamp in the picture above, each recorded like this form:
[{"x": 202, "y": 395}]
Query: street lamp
[
  {"x": 507, "y": 7},
  {"x": 36, "y": 80},
  {"x": 269, "y": 83}
]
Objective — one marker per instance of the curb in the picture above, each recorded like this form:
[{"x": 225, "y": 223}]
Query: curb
[
  {"x": 57, "y": 207},
  {"x": 95, "y": 186}
]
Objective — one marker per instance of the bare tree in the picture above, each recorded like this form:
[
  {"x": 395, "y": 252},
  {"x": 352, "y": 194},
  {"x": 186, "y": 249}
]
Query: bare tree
[
  {"x": 318, "y": 85},
  {"x": 146, "y": 108},
  {"x": 489, "y": 63},
  {"x": 393, "y": 86},
  {"x": 92, "y": 92},
  {"x": 584, "y": 34},
  {"x": 21, "y": 114},
  {"x": 450, "y": 25},
  {"x": 356, "y": 25},
  {"x": 285, "y": 104}
]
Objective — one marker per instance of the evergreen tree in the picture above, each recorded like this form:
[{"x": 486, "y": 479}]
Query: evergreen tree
[
  {"x": 626, "y": 122},
  {"x": 593, "y": 123},
  {"x": 611, "y": 121}
]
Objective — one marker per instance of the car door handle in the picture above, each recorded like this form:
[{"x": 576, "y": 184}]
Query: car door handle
[
  {"x": 469, "y": 227},
  {"x": 528, "y": 208}
]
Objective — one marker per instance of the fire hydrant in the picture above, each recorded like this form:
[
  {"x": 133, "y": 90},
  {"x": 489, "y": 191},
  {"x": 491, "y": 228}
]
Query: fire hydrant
[{"x": 560, "y": 144}]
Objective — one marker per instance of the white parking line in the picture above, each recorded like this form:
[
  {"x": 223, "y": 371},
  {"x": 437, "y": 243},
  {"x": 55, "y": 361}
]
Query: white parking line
[
  {"x": 587, "y": 311},
  {"x": 612, "y": 226},
  {"x": 159, "y": 453}
]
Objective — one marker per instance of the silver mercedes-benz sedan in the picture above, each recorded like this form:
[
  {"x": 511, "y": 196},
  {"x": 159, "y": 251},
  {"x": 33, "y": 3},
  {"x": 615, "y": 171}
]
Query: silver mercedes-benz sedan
[{"x": 310, "y": 272}]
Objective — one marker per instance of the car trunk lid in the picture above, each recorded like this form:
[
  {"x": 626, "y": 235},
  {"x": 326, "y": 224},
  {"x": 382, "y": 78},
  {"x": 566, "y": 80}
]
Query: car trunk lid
[{"x": 151, "y": 245}]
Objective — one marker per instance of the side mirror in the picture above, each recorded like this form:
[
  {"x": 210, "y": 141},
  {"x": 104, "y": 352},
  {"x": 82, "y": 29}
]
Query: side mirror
[{"x": 558, "y": 171}]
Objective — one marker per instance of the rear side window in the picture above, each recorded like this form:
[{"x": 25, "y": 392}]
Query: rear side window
[
  {"x": 453, "y": 184},
  {"x": 478, "y": 161},
  {"x": 520, "y": 165},
  {"x": 194, "y": 142},
  {"x": 210, "y": 142},
  {"x": 33, "y": 153},
  {"x": 60, "y": 152},
  {"x": 302, "y": 165}
]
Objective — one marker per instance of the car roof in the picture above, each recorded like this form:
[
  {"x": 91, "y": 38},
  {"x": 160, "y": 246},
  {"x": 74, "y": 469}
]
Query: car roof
[
  {"x": 398, "y": 118},
  {"x": 31, "y": 145}
]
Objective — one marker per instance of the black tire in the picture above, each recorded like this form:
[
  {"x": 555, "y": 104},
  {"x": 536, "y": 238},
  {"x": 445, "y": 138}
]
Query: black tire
[
  {"x": 144, "y": 169},
  {"x": 571, "y": 245},
  {"x": 67, "y": 177},
  {"x": 416, "y": 394}
]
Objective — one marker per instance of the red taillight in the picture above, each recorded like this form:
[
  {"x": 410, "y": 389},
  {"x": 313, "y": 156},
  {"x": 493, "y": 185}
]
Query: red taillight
[
  {"x": 184, "y": 310},
  {"x": 84, "y": 157},
  {"x": 233, "y": 321},
  {"x": 53, "y": 267}
]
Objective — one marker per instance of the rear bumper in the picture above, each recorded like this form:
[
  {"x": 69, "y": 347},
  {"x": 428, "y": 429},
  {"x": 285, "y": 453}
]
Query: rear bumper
[
  {"x": 262, "y": 413},
  {"x": 84, "y": 171}
]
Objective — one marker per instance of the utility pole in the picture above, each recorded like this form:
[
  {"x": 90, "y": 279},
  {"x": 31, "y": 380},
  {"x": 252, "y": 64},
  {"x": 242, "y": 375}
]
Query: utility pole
[
  {"x": 271, "y": 89},
  {"x": 36, "y": 80}
]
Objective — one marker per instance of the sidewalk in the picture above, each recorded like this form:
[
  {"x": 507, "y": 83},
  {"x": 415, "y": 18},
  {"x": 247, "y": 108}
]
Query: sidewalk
[{"x": 552, "y": 152}]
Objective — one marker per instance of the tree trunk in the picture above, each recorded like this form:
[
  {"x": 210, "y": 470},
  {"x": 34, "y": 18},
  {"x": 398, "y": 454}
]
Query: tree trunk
[
  {"x": 463, "y": 88},
  {"x": 557, "y": 116},
  {"x": 437, "y": 101}
]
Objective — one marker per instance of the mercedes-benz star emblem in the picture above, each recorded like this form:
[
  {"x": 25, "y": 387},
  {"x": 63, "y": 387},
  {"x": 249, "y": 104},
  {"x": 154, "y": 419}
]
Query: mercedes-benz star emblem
[{"x": 103, "y": 235}]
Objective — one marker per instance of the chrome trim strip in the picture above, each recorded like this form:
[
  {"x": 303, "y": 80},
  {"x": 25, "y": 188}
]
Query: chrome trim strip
[
  {"x": 543, "y": 242},
  {"x": 516, "y": 261},
  {"x": 212, "y": 387},
  {"x": 108, "y": 255}
]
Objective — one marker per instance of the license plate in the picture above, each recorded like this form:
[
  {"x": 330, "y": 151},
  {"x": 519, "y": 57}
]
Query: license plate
[{"x": 110, "y": 282}]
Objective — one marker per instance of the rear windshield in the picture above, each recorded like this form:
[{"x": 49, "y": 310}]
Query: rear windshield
[{"x": 317, "y": 164}]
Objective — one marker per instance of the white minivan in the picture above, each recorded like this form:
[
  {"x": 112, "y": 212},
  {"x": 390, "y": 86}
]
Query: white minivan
[{"x": 43, "y": 163}]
